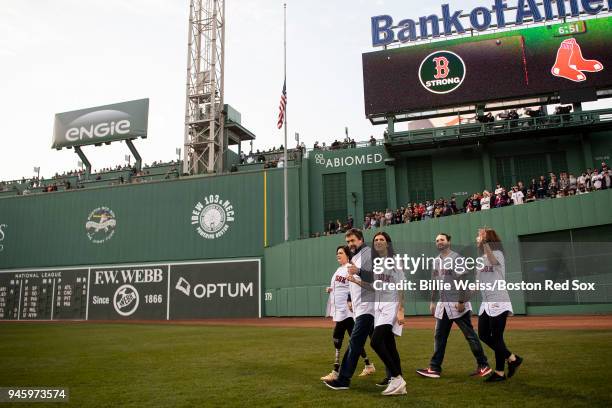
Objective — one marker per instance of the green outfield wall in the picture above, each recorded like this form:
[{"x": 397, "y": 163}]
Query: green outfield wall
[
  {"x": 149, "y": 222},
  {"x": 241, "y": 215},
  {"x": 297, "y": 273}
]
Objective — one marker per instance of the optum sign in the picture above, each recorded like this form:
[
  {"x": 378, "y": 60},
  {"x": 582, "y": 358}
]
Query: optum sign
[{"x": 120, "y": 121}]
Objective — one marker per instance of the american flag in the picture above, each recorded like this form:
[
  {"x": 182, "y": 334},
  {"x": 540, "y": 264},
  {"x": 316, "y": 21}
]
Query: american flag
[{"x": 283, "y": 106}]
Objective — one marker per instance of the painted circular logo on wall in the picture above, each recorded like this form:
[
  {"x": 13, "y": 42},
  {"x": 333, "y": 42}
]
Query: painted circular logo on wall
[
  {"x": 100, "y": 225},
  {"x": 126, "y": 300},
  {"x": 212, "y": 217},
  {"x": 442, "y": 72}
]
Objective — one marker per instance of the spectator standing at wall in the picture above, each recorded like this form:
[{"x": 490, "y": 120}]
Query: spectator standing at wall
[
  {"x": 397, "y": 218},
  {"x": 366, "y": 223},
  {"x": 533, "y": 186},
  {"x": 522, "y": 188},
  {"x": 498, "y": 189},
  {"x": 517, "y": 196},
  {"x": 339, "y": 227},
  {"x": 453, "y": 204},
  {"x": 606, "y": 176},
  {"x": 584, "y": 180},
  {"x": 563, "y": 181},
  {"x": 388, "y": 217},
  {"x": 350, "y": 221},
  {"x": 573, "y": 182},
  {"x": 485, "y": 201},
  {"x": 596, "y": 180},
  {"x": 475, "y": 204},
  {"x": 429, "y": 209},
  {"x": 542, "y": 188},
  {"x": 500, "y": 201}
]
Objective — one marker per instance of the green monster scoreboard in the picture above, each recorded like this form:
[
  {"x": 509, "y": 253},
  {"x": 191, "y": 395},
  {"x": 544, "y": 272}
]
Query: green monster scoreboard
[{"x": 43, "y": 295}]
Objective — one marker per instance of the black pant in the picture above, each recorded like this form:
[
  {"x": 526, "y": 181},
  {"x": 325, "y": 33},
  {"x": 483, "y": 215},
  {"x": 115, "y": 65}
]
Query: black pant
[
  {"x": 340, "y": 328},
  {"x": 383, "y": 343},
  {"x": 359, "y": 335},
  {"x": 491, "y": 332},
  {"x": 443, "y": 328}
]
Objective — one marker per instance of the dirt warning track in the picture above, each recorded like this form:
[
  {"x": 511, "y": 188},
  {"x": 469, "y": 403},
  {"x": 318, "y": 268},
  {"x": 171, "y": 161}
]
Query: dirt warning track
[{"x": 584, "y": 322}]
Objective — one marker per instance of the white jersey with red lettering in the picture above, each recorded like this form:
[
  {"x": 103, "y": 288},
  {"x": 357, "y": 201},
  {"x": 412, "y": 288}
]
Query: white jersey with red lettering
[
  {"x": 445, "y": 272},
  {"x": 338, "y": 297},
  {"x": 494, "y": 302},
  {"x": 388, "y": 299}
]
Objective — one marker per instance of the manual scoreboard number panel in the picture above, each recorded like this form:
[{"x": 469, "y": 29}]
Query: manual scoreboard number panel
[{"x": 43, "y": 295}]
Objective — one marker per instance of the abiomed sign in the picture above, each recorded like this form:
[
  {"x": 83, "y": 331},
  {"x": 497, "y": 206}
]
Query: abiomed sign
[
  {"x": 120, "y": 121},
  {"x": 348, "y": 161},
  {"x": 385, "y": 30}
]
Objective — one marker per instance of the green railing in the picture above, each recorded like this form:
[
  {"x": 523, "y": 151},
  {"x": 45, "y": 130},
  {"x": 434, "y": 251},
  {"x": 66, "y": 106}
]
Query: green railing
[{"x": 470, "y": 131}]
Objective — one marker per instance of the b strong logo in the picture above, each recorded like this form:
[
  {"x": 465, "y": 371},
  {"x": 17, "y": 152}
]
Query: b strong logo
[{"x": 442, "y": 72}]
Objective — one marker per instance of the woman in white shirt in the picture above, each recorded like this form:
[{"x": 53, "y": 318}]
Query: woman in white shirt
[
  {"x": 596, "y": 180},
  {"x": 388, "y": 316},
  {"x": 340, "y": 309},
  {"x": 496, "y": 305},
  {"x": 485, "y": 201}
]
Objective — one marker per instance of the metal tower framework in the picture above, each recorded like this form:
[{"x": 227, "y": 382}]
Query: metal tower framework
[{"x": 204, "y": 118}]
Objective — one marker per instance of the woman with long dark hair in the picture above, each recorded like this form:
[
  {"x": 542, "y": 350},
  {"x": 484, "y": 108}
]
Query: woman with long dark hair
[
  {"x": 496, "y": 306},
  {"x": 339, "y": 308},
  {"x": 389, "y": 315}
]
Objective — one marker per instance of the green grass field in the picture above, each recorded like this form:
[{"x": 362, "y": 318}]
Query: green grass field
[{"x": 161, "y": 365}]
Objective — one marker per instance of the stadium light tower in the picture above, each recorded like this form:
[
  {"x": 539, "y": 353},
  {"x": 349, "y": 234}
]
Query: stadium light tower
[{"x": 204, "y": 118}]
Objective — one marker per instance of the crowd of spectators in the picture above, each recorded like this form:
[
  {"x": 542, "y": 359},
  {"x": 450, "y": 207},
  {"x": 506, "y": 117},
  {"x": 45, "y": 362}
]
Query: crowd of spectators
[
  {"x": 347, "y": 143},
  {"x": 66, "y": 180},
  {"x": 513, "y": 114},
  {"x": 551, "y": 187},
  {"x": 273, "y": 157}
]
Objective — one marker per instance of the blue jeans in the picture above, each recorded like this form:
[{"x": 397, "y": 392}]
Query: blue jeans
[
  {"x": 364, "y": 325},
  {"x": 443, "y": 328}
]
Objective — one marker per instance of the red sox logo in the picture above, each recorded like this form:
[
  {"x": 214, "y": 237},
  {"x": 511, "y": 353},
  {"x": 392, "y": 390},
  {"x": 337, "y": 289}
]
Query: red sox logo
[
  {"x": 570, "y": 63},
  {"x": 442, "y": 70}
]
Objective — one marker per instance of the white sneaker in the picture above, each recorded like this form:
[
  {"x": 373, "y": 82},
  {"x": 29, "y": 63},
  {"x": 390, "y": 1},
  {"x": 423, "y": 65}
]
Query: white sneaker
[
  {"x": 391, "y": 386},
  {"x": 331, "y": 376},
  {"x": 368, "y": 370},
  {"x": 399, "y": 391},
  {"x": 395, "y": 385}
]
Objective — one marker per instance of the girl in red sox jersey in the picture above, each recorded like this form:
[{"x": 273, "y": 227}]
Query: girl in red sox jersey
[
  {"x": 340, "y": 309},
  {"x": 495, "y": 306}
]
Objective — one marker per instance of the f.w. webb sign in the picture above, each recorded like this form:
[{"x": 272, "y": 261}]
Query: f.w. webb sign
[
  {"x": 194, "y": 290},
  {"x": 119, "y": 121}
]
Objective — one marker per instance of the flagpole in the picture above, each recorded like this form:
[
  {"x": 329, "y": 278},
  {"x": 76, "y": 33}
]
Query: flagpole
[{"x": 285, "y": 161}]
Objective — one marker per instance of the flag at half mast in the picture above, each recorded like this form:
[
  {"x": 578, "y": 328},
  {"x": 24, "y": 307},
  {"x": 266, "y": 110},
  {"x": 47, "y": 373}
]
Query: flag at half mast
[{"x": 283, "y": 106}]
